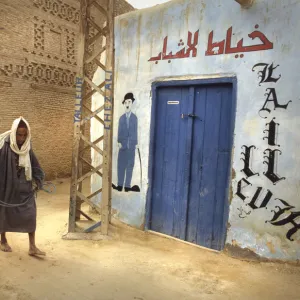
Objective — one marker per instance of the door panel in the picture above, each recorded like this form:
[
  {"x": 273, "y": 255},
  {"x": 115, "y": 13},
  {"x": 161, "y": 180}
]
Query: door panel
[
  {"x": 222, "y": 180},
  {"x": 196, "y": 165},
  {"x": 169, "y": 160},
  {"x": 209, "y": 166}
]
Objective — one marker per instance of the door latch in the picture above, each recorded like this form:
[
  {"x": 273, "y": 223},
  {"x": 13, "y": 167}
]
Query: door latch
[
  {"x": 188, "y": 115},
  {"x": 192, "y": 116}
]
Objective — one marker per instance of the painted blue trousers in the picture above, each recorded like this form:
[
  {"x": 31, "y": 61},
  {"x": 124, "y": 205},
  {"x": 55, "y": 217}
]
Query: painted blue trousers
[{"x": 126, "y": 160}]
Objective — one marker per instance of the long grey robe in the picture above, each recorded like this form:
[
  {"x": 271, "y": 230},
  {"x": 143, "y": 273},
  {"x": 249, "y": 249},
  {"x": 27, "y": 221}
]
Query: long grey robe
[{"x": 15, "y": 189}]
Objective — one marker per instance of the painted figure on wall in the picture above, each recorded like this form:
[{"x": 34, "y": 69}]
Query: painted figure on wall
[{"x": 127, "y": 144}]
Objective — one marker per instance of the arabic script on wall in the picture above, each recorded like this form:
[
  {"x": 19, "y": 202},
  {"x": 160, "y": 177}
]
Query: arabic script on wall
[{"x": 213, "y": 48}]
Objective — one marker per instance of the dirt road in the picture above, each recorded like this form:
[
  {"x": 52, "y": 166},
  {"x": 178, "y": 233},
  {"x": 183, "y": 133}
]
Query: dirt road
[{"x": 134, "y": 266}]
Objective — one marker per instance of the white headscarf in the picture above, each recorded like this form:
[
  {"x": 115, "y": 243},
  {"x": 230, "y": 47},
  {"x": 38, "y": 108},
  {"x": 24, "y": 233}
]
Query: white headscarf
[{"x": 24, "y": 157}]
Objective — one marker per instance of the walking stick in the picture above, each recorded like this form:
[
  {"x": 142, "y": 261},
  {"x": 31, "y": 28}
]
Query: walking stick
[{"x": 140, "y": 165}]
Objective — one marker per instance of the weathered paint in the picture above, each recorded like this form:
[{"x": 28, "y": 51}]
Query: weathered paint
[
  {"x": 139, "y": 35},
  {"x": 245, "y": 3}
]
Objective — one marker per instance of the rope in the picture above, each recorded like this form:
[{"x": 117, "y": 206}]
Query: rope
[
  {"x": 30, "y": 197},
  {"x": 47, "y": 187}
]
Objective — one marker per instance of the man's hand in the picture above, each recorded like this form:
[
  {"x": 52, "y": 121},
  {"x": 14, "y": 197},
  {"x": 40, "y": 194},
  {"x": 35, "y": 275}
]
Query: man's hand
[{"x": 120, "y": 145}]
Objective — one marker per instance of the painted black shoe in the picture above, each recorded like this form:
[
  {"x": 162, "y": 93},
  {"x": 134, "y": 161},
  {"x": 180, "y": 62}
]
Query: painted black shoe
[
  {"x": 118, "y": 188},
  {"x": 135, "y": 188}
]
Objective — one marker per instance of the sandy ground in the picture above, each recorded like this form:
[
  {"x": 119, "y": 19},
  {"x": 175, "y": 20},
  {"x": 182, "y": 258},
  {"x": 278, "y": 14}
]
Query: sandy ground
[{"x": 132, "y": 266}]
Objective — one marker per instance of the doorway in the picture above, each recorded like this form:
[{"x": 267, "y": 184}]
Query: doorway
[{"x": 190, "y": 161}]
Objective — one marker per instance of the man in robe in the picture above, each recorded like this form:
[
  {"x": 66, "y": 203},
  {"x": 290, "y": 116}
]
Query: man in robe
[{"x": 19, "y": 170}]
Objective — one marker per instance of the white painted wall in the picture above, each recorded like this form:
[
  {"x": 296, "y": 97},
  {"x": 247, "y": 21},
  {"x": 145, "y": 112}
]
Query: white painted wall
[
  {"x": 139, "y": 4},
  {"x": 140, "y": 34}
]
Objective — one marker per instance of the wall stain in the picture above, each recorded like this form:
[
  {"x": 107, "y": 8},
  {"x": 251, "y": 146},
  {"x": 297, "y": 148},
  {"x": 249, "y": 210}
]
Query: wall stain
[
  {"x": 124, "y": 23},
  {"x": 142, "y": 226},
  {"x": 285, "y": 48},
  {"x": 114, "y": 212},
  {"x": 233, "y": 176},
  {"x": 138, "y": 51},
  {"x": 271, "y": 247},
  {"x": 235, "y": 251}
]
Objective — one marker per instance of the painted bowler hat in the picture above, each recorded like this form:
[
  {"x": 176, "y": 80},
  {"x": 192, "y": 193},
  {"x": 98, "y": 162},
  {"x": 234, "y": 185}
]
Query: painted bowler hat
[{"x": 128, "y": 96}]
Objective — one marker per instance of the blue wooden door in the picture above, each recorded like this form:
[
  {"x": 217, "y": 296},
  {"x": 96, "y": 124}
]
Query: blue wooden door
[{"x": 192, "y": 152}]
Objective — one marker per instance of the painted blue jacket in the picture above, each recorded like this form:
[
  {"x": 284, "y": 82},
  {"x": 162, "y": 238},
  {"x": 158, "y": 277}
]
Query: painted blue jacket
[{"x": 127, "y": 136}]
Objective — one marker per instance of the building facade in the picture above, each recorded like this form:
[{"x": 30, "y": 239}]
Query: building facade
[{"x": 205, "y": 124}]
